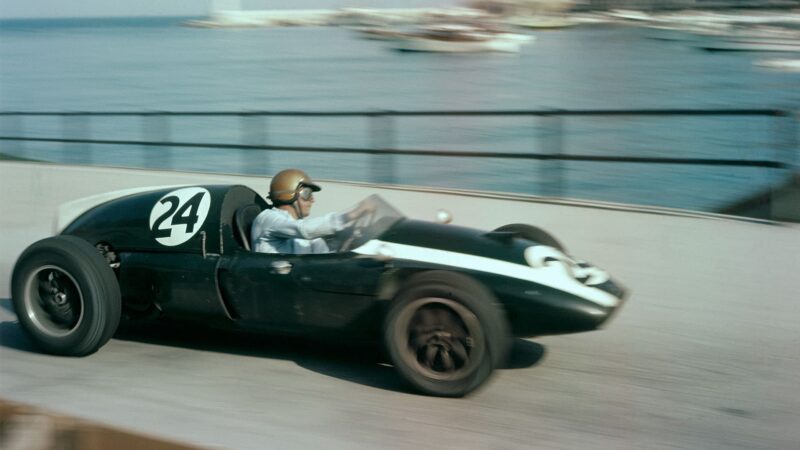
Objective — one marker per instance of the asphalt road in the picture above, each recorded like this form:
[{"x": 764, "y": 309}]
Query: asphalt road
[{"x": 706, "y": 354}]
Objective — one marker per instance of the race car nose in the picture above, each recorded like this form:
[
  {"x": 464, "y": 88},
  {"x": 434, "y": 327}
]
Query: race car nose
[{"x": 617, "y": 290}]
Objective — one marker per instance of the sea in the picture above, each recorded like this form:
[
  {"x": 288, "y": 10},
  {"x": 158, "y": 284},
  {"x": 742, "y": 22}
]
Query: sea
[{"x": 156, "y": 64}]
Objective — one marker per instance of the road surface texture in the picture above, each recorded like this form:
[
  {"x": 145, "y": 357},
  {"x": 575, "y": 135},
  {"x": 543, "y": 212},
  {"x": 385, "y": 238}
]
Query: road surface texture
[{"x": 706, "y": 354}]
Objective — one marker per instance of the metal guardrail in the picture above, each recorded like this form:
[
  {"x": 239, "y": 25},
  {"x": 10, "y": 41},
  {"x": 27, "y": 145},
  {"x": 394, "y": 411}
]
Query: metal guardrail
[{"x": 156, "y": 130}]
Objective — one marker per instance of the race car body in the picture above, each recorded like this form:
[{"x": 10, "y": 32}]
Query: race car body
[{"x": 444, "y": 300}]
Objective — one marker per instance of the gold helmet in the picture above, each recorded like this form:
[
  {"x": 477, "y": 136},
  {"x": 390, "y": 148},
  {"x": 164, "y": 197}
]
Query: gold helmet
[{"x": 286, "y": 185}]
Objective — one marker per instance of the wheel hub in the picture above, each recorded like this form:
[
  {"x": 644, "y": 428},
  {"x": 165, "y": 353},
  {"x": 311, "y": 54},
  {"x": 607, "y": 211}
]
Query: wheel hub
[
  {"x": 53, "y": 301},
  {"x": 439, "y": 340},
  {"x": 60, "y": 298}
]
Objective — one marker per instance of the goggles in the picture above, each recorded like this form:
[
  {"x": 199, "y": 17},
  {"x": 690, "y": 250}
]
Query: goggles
[{"x": 305, "y": 193}]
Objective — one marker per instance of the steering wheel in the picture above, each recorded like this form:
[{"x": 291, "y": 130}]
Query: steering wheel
[{"x": 353, "y": 233}]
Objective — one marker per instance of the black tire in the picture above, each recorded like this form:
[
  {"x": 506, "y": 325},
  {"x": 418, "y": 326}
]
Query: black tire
[
  {"x": 445, "y": 333},
  {"x": 533, "y": 233},
  {"x": 66, "y": 296}
]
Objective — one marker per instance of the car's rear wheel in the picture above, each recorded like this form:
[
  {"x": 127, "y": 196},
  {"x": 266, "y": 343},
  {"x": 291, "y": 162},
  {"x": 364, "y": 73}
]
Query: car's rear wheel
[
  {"x": 445, "y": 333},
  {"x": 66, "y": 296},
  {"x": 533, "y": 233}
]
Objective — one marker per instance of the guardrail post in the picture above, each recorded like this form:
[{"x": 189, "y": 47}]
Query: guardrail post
[
  {"x": 793, "y": 140},
  {"x": 156, "y": 127},
  {"x": 785, "y": 195},
  {"x": 14, "y": 127},
  {"x": 382, "y": 166},
  {"x": 254, "y": 132},
  {"x": 76, "y": 126},
  {"x": 552, "y": 143}
]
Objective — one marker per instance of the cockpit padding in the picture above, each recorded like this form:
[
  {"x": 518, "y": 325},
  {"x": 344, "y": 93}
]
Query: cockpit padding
[{"x": 243, "y": 221}]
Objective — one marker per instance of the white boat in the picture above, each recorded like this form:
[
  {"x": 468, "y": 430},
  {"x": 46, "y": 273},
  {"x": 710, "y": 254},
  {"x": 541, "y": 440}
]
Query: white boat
[
  {"x": 763, "y": 39},
  {"x": 751, "y": 45},
  {"x": 630, "y": 14},
  {"x": 734, "y": 18},
  {"x": 543, "y": 22},
  {"x": 459, "y": 39},
  {"x": 683, "y": 32},
  {"x": 689, "y": 17},
  {"x": 380, "y": 33},
  {"x": 788, "y": 65}
]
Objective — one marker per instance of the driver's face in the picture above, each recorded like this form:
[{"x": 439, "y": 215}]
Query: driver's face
[{"x": 305, "y": 205}]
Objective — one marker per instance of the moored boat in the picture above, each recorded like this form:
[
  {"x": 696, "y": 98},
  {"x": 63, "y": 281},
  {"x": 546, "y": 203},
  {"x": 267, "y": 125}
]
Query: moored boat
[
  {"x": 788, "y": 65},
  {"x": 684, "y": 32},
  {"x": 380, "y": 33},
  {"x": 764, "y": 39},
  {"x": 543, "y": 22},
  {"x": 454, "y": 38}
]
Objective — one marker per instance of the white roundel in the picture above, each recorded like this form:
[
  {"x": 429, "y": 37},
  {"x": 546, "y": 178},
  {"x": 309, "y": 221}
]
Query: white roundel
[{"x": 179, "y": 215}]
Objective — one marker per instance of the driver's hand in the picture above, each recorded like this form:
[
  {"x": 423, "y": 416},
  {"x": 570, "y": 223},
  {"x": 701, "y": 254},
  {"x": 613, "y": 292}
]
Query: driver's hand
[{"x": 360, "y": 211}]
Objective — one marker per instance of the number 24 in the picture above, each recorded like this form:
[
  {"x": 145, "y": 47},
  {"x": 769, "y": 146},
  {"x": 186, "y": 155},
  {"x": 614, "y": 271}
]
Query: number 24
[{"x": 186, "y": 215}]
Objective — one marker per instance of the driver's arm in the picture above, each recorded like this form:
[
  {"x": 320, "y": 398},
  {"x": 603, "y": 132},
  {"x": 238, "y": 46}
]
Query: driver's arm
[
  {"x": 284, "y": 226},
  {"x": 308, "y": 228}
]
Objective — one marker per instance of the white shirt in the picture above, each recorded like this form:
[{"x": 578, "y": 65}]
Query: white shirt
[{"x": 276, "y": 231}]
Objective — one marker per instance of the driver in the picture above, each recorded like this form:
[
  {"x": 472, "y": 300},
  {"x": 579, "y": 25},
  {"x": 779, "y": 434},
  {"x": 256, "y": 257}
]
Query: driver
[{"x": 286, "y": 228}]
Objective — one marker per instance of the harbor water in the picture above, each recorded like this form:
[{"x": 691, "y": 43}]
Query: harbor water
[{"x": 158, "y": 65}]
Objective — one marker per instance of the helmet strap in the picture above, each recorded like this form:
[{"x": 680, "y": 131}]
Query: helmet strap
[{"x": 297, "y": 210}]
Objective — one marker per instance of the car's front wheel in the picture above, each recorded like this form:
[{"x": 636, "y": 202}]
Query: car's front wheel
[
  {"x": 445, "y": 333},
  {"x": 66, "y": 296},
  {"x": 533, "y": 233}
]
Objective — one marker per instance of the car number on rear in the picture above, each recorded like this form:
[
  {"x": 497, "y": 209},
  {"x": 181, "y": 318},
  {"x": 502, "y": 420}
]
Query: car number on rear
[{"x": 179, "y": 215}]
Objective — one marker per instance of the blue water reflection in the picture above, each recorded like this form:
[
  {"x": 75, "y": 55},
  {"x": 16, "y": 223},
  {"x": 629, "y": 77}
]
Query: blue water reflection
[{"x": 154, "y": 64}]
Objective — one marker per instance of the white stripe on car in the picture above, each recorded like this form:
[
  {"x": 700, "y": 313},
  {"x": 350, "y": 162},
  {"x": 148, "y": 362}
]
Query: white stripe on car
[{"x": 556, "y": 276}]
